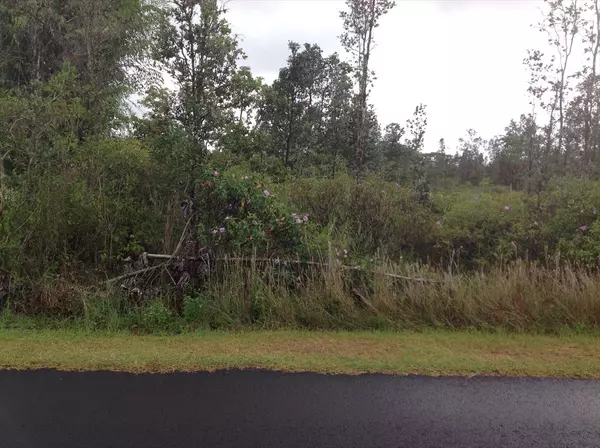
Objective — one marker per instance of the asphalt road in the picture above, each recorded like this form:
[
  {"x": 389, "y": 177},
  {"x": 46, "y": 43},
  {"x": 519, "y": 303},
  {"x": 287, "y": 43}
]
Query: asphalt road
[{"x": 49, "y": 409}]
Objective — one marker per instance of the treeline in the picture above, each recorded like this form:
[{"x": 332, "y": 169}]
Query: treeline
[{"x": 101, "y": 161}]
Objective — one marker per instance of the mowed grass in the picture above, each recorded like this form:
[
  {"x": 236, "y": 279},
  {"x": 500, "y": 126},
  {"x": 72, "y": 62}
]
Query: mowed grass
[{"x": 433, "y": 353}]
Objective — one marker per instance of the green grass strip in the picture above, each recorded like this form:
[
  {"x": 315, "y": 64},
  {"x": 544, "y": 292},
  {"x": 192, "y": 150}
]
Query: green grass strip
[{"x": 430, "y": 353}]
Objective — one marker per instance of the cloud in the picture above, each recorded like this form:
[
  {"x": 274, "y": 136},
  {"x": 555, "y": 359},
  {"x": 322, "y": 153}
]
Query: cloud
[
  {"x": 266, "y": 26},
  {"x": 462, "y": 5},
  {"x": 461, "y": 58}
]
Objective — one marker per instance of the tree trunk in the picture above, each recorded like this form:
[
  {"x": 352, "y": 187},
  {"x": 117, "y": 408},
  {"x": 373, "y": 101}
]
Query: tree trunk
[
  {"x": 360, "y": 140},
  {"x": 590, "y": 135}
]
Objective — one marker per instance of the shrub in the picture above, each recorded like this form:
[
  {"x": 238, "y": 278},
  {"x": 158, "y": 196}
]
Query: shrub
[
  {"x": 374, "y": 216},
  {"x": 103, "y": 313},
  {"x": 478, "y": 227},
  {"x": 244, "y": 216},
  {"x": 156, "y": 317},
  {"x": 194, "y": 308}
]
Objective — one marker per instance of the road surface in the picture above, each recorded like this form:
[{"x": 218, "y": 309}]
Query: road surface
[{"x": 49, "y": 409}]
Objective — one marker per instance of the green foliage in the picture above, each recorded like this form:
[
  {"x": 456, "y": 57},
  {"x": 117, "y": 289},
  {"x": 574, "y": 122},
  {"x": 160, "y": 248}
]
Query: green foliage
[
  {"x": 194, "y": 309},
  {"x": 300, "y": 131},
  {"x": 243, "y": 162},
  {"x": 103, "y": 313},
  {"x": 157, "y": 317},
  {"x": 94, "y": 212},
  {"x": 374, "y": 215},
  {"x": 242, "y": 215},
  {"x": 196, "y": 46},
  {"x": 477, "y": 226}
]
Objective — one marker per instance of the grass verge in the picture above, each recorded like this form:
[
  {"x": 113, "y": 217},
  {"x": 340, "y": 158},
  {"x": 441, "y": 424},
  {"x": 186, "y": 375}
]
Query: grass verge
[{"x": 432, "y": 353}]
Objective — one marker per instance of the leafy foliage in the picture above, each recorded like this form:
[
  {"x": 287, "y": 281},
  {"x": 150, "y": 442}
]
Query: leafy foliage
[
  {"x": 243, "y": 216},
  {"x": 255, "y": 169}
]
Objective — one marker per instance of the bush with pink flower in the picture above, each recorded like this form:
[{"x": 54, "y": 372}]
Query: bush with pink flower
[{"x": 242, "y": 215}]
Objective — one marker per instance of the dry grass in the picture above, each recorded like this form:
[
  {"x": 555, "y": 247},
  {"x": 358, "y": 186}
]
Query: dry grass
[
  {"x": 517, "y": 297},
  {"x": 435, "y": 353}
]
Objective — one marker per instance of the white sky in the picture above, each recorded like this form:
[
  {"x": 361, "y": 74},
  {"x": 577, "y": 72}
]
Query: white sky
[{"x": 462, "y": 58}]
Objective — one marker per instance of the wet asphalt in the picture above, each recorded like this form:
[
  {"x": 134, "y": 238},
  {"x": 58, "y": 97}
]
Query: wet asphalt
[{"x": 49, "y": 409}]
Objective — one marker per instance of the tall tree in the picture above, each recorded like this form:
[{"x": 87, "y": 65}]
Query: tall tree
[
  {"x": 285, "y": 105},
  {"x": 591, "y": 24},
  {"x": 306, "y": 110},
  {"x": 103, "y": 40},
  {"x": 245, "y": 94},
  {"x": 394, "y": 153},
  {"x": 360, "y": 21},
  {"x": 471, "y": 161},
  {"x": 337, "y": 112},
  {"x": 562, "y": 23},
  {"x": 197, "y": 48},
  {"x": 514, "y": 155},
  {"x": 199, "y": 51},
  {"x": 417, "y": 126}
]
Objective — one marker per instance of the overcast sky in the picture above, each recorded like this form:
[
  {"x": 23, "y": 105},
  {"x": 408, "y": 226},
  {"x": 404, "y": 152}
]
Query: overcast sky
[{"x": 462, "y": 58}]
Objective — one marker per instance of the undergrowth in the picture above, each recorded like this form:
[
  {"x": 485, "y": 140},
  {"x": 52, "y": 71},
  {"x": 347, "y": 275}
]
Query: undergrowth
[{"x": 517, "y": 297}]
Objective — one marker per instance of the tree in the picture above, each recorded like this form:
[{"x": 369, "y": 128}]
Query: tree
[
  {"x": 394, "y": 152},
  {"x": 417, "y": 127},
  {"x": 440, "y": 166},
  {"x": 511, "y": 160},
  {"x": 285, "y": 104},
  {"x": 306, "y": 110},
  {"x": 562, "y": 22},
  {"x": 337, "y": 112},
  {"x": 360, "y": 21},
  {"x": 197, "y": 48},
  {"x": 471, "y": 162},
  {"x": 401, "y": 157},
  {"x": 591, "y": 27},
  {"x": 103, "y": 40},
  {"x": 245, "y": 94},
  {"x": 199, "y": 51}
]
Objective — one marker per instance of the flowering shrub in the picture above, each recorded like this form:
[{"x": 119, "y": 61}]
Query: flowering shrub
[
  {"x": 367, "y": 218},
  {"x": 240, "y": 214},
  {"x": 477, "y": 228}
]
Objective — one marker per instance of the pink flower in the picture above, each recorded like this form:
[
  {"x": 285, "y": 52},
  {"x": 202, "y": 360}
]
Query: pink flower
[
  {"x": 267, "y": 193},
  {"x": 507, "y": 207},
  {"x": 305, "y": 219},
  {"x": 298, "y": 221},
  {"x": 215, "y": 173}
]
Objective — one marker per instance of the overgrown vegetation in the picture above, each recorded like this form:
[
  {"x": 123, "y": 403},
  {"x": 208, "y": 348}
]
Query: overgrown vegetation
[{"x": 229, "y": 202}]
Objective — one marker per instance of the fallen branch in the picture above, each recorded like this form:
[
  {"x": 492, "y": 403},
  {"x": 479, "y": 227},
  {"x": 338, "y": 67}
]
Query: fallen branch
[
  {"x": 159, "y": 256},
  {"x": 170, "y": 257},
  {"x": 134, "y": 273},
  {"x": 152, "y": 268},
  {"x": 315, "y": 263}
]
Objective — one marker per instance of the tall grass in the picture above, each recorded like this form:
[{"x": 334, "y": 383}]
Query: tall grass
[
  {"x": 516, "y": 296},
  {"x": 519, "y": 296},
  {"x": 257, "y": 294}
]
